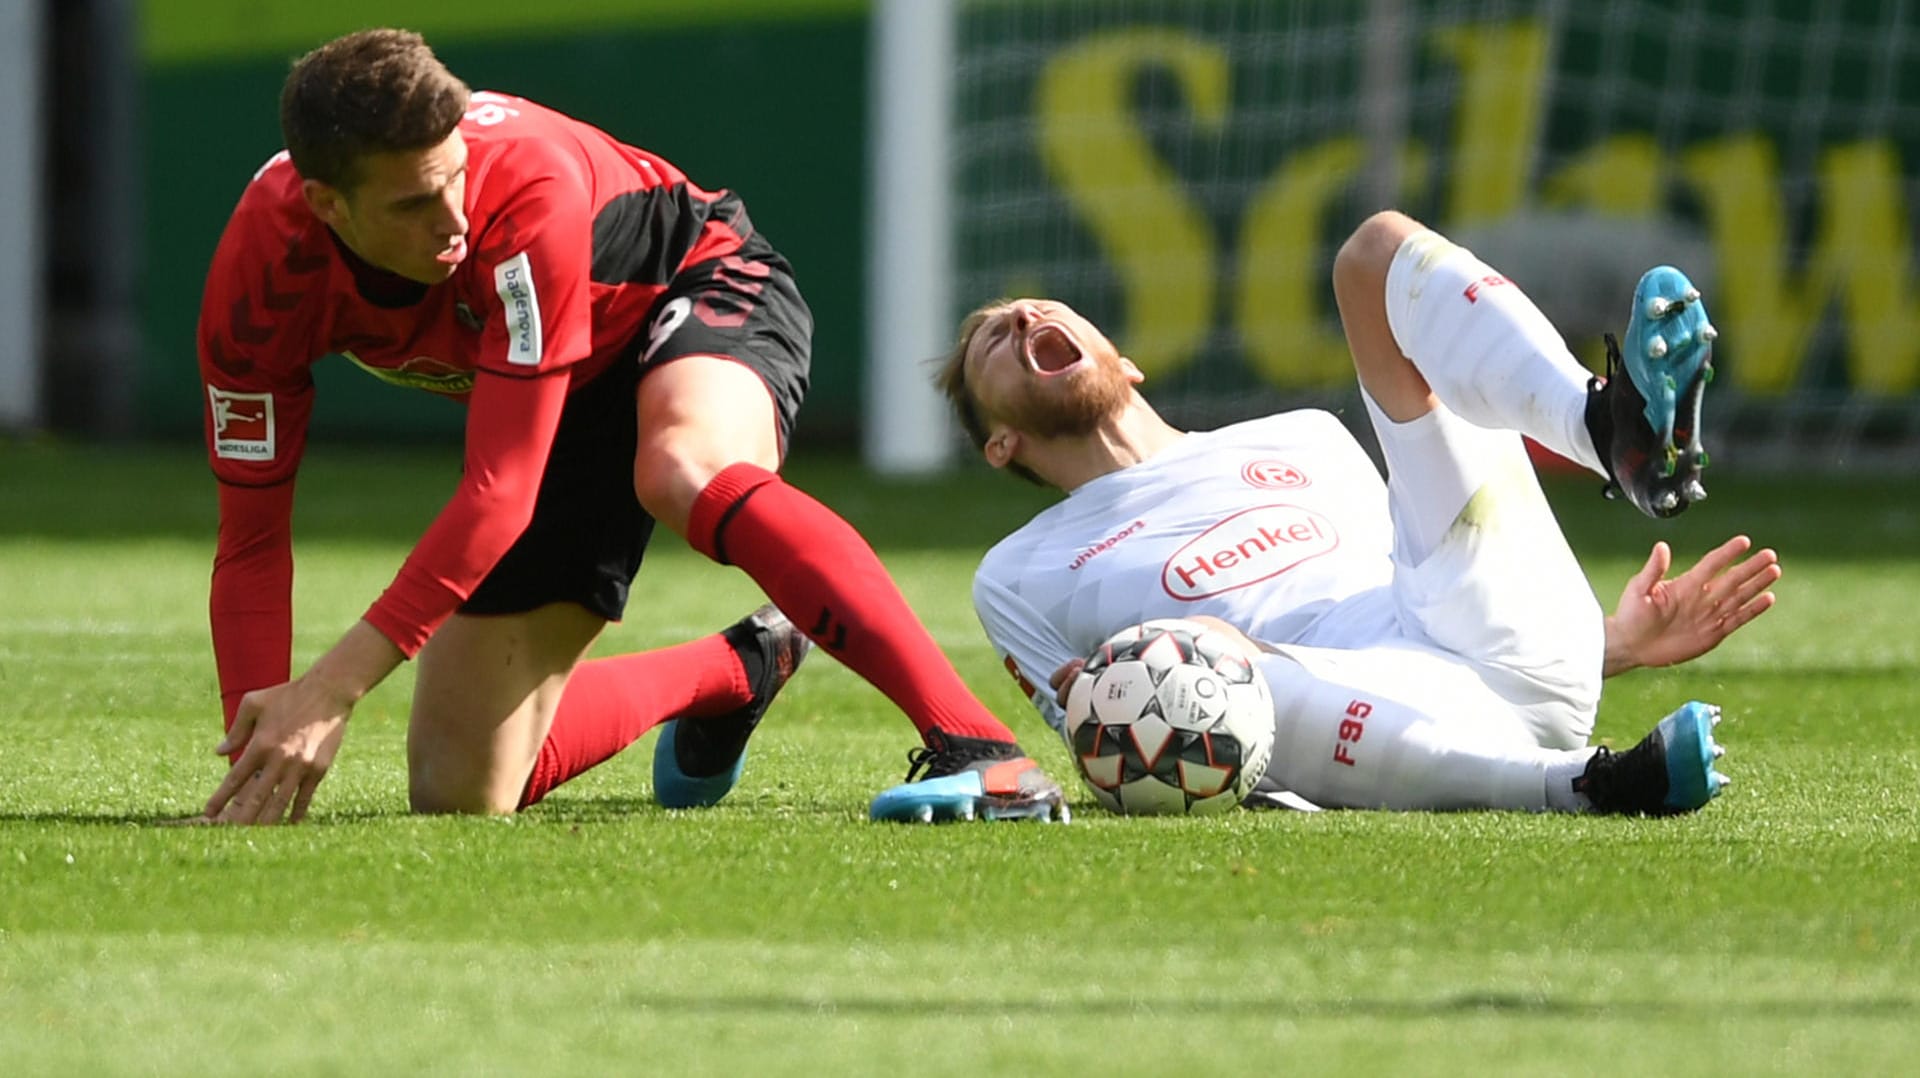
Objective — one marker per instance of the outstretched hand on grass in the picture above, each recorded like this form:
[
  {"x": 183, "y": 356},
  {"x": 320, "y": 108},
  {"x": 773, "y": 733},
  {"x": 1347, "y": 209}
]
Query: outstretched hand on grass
[
  {"x": 287, "y": 735},
  {"x": 1660, "y": 622},
  {"x": 290, "y": 735}
]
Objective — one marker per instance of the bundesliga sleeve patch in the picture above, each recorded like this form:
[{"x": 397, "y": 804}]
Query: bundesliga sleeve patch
[
  {"x": 513, "y": 279},
  {"x": 242, "y": 424}
]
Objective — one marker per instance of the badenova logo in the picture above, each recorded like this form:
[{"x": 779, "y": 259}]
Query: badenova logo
[
  {"x": 1248, "y": 547},
  {"x": 513, "y": 279}
]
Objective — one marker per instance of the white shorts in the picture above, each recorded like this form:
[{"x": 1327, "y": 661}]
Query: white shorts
[
  {"x": 1398, "y": 726},
  {"x": 1482, "y": 571}
]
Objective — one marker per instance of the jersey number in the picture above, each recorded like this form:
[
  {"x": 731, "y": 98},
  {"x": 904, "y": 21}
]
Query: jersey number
[{"x": 1351, "y": 728}]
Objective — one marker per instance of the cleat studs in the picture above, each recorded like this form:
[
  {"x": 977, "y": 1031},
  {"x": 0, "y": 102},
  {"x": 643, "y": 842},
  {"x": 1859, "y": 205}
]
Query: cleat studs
[
  {"x": 1695, "y": 492},
  {"x": 1718, "y": 751},
  {"x": 1706, "y": 370},
  {"x": 1658, "y": 306},
  {"x": 923, "y": 813},
  {"x": 964, "y": 813},
  {"x": 1666, "y": 500},
  {"x": 1693, "y": 295},
  {"x": 1657, "y": 347},
  {"x": 1708, "y": 333}
]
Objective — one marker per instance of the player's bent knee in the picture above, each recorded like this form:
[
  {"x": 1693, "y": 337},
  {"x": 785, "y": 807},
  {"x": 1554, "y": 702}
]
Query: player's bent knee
[
  {"x": 455, "y": 790},
  {"x": 426, "y": 799},
  {"x": 669, "y": 475},
  {"x": 1368, "y": 252}
]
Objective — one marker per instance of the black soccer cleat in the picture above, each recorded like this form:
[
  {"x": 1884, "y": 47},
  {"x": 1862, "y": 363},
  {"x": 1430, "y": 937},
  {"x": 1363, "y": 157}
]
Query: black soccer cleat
[
  {"x": 696, "y": 762},
  {"x": 1644, "y": 416},
  {"x": 966, "y": 778},
  {"x": 1668, "y": 773}
]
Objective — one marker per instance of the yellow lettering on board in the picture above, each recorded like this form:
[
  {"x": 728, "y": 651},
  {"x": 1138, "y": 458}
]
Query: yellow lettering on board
[
  {"x": 1863, "y": 249},
  {"x": 1859, "y": 249},
  {"x": 1503, "y": 67},
  {"x": 1621, "y": 176},
  {"x": 1157, "y": 241},
  {"x": 1282, "y": 268}
]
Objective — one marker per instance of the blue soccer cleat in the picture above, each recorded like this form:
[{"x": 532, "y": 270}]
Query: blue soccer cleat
[
  {"x": 1668, "y": 773},
  {"x": 967, "y": 778},
  {"x": 696, "y": 762},
  {"x": 1644, "y": 416}
]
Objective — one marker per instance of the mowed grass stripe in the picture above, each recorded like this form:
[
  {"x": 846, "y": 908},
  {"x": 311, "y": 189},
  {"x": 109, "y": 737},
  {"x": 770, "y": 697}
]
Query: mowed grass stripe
[
  {"x": 692, "y": 1006},
  {"x": 1774, "y": 933}
]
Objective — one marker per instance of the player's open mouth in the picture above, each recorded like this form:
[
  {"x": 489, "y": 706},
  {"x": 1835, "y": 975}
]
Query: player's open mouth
[
  {"x": 1052, "y": 350},
  {"x": 455, "y": 252}
]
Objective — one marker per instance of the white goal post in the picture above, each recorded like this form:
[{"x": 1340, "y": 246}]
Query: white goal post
[
  {"x": 21, "y": 405},
  {"x": 910, "y": 260},
  {"x": 1183, "y": 170}
]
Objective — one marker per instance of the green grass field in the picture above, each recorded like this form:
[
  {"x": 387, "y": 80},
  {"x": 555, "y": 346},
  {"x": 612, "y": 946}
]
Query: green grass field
[{"x": 1776, "y": 932}]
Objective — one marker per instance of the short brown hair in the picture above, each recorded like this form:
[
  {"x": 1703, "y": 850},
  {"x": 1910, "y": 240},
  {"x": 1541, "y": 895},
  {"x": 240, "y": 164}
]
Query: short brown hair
[
  {"x": 952, "y": 380},
  {"x": 374, "y": 91}
]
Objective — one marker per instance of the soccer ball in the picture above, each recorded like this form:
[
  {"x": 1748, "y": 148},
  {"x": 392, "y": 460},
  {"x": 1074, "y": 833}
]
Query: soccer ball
[{"x": 1170, "y": 717}]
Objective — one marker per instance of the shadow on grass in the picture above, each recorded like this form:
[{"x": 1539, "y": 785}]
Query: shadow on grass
[
  {"x": 174, "y": 818},
  {"x": 1799, "y": 1008},
  {"x": 602, "y": 810},
  {"x": 615, "y": 809}
]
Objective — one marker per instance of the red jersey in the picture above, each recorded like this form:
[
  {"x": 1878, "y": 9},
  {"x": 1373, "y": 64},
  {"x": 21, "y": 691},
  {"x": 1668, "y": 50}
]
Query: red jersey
[{"x": 571, "y": 237}]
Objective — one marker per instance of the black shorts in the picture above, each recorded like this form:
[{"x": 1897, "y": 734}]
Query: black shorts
[
  {"x": 746, "y": 307},
  {"x": 588, "y": 532}
]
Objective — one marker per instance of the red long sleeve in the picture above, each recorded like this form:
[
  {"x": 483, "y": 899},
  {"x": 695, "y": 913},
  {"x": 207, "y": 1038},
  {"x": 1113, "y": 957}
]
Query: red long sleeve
[
  {"x": 250, "y": 606},
  {"x": 510, "y": 427}
]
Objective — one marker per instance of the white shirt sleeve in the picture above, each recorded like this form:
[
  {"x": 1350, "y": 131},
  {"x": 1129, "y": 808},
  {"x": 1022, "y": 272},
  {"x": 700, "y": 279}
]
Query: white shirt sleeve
[{"x": 1031, "y": 648}]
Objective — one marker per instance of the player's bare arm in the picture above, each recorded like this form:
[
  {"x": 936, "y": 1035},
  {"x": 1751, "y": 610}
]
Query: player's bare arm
[
  {"x": 287, "y": 735},
  {"x": 1660, "y": 622}
]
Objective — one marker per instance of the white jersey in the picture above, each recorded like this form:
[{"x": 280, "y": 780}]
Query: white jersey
[{"x": 1278, "y": 526}]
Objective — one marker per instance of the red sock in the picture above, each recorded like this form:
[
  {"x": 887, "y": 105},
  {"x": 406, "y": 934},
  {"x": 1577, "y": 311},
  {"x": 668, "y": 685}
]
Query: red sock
[
  {"x": 817, "y": 569},
  {"x": 609, "y": 703}
]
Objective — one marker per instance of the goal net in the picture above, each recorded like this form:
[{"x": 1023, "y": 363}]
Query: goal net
[{"x": 1182, "y": 171}]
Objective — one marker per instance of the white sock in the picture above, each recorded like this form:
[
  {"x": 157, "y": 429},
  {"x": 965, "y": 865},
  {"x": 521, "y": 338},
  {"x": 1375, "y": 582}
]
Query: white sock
[
  {"x": 1560, "y": 777},
  {"x": 1490, "y": 355}
]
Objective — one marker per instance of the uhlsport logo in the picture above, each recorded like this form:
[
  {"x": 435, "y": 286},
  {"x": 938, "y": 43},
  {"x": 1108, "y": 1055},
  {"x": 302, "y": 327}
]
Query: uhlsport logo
[
  {"x": 1104, "y": 545},
  {"x": 1246, "y": 548},
  {"x": 513, "y": 279},
  {"x": 242, "y": 424}
]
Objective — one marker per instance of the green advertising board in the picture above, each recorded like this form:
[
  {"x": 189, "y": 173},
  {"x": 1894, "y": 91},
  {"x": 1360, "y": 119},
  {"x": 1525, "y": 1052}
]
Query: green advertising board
[
  {"x": 1185, "y": 172},
  {"x": 767, "y": 98}
]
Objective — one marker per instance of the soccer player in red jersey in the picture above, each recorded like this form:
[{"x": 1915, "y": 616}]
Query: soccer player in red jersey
[{"x": 629, "y": 350}]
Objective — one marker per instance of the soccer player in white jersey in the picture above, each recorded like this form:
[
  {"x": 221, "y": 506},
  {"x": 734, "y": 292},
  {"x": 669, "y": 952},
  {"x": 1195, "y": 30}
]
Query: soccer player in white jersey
[{"x": 1430, "y": 641}]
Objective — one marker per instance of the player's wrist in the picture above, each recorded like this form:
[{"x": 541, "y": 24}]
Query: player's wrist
[
  {"x": 1618, "y": 655},
  {"x": 361, "y": 660}
]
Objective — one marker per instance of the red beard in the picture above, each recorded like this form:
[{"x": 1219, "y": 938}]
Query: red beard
[{"x": 1070, "y": 405}]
